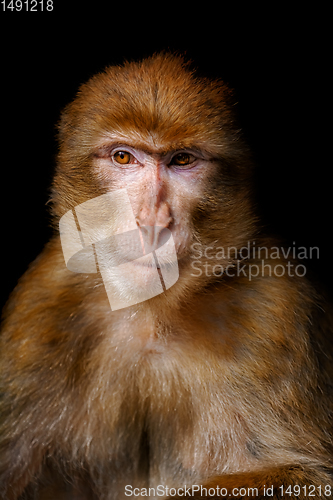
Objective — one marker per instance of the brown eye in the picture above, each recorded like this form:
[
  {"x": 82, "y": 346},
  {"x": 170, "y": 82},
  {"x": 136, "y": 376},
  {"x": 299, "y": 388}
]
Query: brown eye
[
  {"x": 182, "y": 159},
  {"x": 122, "y": 157}
]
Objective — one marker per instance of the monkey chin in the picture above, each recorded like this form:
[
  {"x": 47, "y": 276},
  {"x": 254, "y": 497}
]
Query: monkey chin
[{"x": 134, "y": 282}]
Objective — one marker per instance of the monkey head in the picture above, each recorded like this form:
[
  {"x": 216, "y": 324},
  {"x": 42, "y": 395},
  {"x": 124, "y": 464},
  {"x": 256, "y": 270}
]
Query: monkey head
[{"x": 167, "y": 136}]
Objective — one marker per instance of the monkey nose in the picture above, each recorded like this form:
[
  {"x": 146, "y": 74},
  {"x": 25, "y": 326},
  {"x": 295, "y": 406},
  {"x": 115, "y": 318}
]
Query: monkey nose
[{"x": 153, "y": 237}]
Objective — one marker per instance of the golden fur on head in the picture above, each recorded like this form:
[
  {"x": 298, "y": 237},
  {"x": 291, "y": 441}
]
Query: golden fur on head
[{"x": 160, "y": 97}]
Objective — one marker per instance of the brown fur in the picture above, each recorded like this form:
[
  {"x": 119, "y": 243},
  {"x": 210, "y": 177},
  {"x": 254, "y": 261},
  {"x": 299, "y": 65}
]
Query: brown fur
[{"x": 218, "y": 381}]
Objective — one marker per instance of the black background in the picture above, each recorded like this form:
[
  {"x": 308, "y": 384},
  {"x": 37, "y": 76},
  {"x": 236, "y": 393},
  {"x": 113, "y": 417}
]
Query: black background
[{"x": 277, "y": 61}]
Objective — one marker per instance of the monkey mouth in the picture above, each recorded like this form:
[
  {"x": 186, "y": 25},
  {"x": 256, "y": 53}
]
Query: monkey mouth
[
  {"x": 131, "y": 247},
  {"x": 154, "y": 263}
]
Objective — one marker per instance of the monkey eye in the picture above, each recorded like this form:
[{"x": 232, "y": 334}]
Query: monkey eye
[
  {"x": 122, "y": 157},
  {"x": 182, "y": 159}
]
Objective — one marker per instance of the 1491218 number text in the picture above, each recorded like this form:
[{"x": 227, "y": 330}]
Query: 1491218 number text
[
  {"x": 28, "y": 5},
  {"x": 309, "y": 491}
]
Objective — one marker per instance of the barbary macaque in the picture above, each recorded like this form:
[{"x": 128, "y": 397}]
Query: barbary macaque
[{"x": 119, "y": 381}]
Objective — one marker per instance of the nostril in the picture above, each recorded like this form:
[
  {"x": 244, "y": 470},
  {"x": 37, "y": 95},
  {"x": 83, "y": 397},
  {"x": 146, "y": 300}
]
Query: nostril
[{"x": 163, "y": 236}]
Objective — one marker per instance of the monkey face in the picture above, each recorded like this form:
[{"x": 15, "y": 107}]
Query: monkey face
[{"x": 163, "y": 188}]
